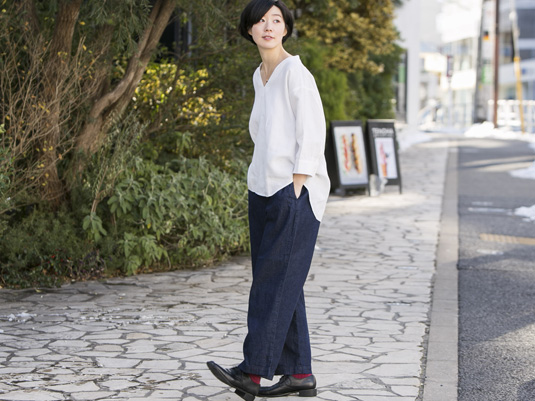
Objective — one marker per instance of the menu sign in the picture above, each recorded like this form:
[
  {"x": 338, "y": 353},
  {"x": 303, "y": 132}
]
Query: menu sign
[
  {"x": 346, "y": 155},
  {"x": 383, "y": 151}
]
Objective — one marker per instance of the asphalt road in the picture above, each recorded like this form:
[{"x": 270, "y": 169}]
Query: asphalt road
[{"x": 496, "y": 278}]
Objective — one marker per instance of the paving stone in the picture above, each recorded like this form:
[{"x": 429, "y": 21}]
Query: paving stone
[
  {"x": 117, "y": 384},
  {"x": 109, "y": 348},
  {"x": 94, "y": 395},
  {"x": 396, "y": 370},
  {"x": 166, "y": 394},
  {"x": 331, "y": 395},
  {"x": 117, "y": 362},
  {"x": 155, "y": 365},
  {"x": 406, "y": 391},
  {"x": 75, "y": 387},
  {"x": 69, "y": 344},
  {"x": 31, "y": 395},
  {"x": 102, "y": 371},
  {"x": 109, "y": 341}
]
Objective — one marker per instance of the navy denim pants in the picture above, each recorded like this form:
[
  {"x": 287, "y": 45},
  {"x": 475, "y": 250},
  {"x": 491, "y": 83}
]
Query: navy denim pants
[{"x": 283, "y": 235}]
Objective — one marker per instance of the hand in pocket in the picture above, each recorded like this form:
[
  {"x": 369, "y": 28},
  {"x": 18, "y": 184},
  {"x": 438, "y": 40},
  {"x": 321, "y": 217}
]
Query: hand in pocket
[
  {"x": 298, "y": 189},
  {"x": 299, "y": 182}
]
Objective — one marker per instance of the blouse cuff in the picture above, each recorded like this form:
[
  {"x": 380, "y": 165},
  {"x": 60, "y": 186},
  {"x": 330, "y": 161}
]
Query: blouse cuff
[{"x": 306, "y": 167}]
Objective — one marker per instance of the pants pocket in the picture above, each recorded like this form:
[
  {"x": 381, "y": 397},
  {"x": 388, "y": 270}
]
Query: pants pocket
[{"x": 303, "y": 192}]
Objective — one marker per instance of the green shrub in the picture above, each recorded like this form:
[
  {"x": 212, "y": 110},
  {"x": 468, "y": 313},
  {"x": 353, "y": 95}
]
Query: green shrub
[
  {"x": 374, "y": 92},
  {"x": 186, "y": 214},
  {"x": 332, "y": 84},
  {"x": 42, "y": 249},
  {"x": 194, "y": 112}
]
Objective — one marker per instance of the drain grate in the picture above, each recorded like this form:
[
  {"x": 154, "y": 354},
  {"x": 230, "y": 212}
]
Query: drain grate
[{"x": 508, "y": 239}]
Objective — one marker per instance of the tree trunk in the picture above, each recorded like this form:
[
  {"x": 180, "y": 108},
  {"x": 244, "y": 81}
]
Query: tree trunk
[
  {"x": 55, "y": 71},
  {"x": 114, "y": 102}
]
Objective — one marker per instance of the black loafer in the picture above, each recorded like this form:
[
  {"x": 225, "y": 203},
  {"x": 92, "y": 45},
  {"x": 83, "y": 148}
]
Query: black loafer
[
  {"x": 234, "y": 377},
  {"x": 288, "y": 385}
]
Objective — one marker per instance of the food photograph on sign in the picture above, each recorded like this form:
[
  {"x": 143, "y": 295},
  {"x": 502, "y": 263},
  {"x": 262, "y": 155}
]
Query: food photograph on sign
[
  {"x": 351, "y": 155},
  {"x": 386, "y": 157}
]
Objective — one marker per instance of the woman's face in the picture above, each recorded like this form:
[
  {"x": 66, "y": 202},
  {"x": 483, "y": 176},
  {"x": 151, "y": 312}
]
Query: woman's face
[{"x": 270, "y": 30}]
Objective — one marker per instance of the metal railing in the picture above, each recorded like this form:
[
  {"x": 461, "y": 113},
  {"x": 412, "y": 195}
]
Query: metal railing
[
  {"x": 509, "y": 112},
  {"x": 437, "y": 115}
]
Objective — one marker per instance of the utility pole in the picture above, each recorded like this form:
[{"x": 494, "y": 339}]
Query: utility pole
[
  {"x": 479, "y": 66},
  {"x": 516, "y": 59},
  {"x": 496, "y": 61}
]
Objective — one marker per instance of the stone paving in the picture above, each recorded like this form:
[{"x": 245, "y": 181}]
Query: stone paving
[{"x": 148, "y": 337}]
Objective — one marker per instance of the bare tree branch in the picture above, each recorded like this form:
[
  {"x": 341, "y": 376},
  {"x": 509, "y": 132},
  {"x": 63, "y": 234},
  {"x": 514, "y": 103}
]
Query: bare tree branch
[{"x": 116, "y": 100}]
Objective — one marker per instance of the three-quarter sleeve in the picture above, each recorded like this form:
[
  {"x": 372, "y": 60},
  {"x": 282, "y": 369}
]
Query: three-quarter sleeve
[{"x": 310, "y": 129}]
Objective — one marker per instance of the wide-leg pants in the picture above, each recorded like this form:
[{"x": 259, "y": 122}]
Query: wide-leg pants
[{"x": 283, "y": 232}]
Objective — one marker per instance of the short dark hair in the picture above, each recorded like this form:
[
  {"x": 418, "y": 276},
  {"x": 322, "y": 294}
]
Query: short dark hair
[{"x": 256, "y": 9}]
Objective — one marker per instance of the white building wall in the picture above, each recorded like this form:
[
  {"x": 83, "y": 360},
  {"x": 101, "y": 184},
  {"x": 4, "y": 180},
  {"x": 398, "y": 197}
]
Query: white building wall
[
  {"x": 408, "y": 23},
  {"x": 459, "y": 26}
]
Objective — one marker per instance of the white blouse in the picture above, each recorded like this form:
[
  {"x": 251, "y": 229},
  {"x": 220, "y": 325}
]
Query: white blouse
[{"x": 287, "y": 126}]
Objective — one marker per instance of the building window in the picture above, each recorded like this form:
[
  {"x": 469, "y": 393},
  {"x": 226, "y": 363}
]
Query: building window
[
  {"x": 527, "y": 54},
  {"x": 525, "y": 24}
]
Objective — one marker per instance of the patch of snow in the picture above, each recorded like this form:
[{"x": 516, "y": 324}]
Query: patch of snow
[
  {"x": 408, "y": 137},
  {"x": 527, "y": 212},
  {"x": 487, "y": 130},
  {"x": 528, "y": 173},
  {"x": 482, "y": 130},
  {"x": 24, "y": 314},
  {"x": 21, "y": 317}
]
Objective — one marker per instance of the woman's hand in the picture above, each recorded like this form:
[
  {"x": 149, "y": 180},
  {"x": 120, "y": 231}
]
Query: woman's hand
[{"x": 299, "y": 181}]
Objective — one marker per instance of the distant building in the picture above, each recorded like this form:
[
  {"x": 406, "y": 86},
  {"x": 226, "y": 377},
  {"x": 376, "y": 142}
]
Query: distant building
[
  {"x": 526, "y": 16},
  {"x": 441, "y": 39},
  {"x": 447, "y": 78},
  {"x": 417, "y": 83},
  {"x": 508, "y": 104},
  {"x": 459, "y": 26}
]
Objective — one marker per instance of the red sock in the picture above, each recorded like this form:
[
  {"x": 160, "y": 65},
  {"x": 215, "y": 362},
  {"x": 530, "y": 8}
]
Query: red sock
[
  {"x": 302, "y": 376},
  {"x": 255, "y": 378}
]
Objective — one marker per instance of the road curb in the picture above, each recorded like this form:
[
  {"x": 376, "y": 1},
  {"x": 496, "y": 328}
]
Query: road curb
[{"x": 441, "y": 372}]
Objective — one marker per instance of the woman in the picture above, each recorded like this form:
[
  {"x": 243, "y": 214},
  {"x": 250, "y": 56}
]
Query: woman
[{"x": 288, "y": 190}]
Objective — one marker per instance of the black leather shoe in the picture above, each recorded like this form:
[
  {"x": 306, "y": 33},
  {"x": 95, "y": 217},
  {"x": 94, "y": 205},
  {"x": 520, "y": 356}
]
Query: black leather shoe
[
  {"x": 288, "y": 385},
  {"x": 234, "y": 377}
]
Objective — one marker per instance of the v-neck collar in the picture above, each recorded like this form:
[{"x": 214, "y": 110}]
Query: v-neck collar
[{"x": 273, "y": 73}]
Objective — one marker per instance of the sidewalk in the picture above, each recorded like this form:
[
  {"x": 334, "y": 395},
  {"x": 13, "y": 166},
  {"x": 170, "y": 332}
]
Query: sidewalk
[{"x": 148, "y": 337}]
